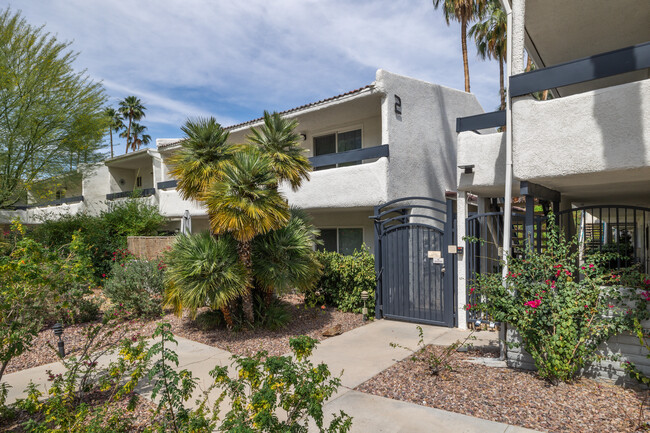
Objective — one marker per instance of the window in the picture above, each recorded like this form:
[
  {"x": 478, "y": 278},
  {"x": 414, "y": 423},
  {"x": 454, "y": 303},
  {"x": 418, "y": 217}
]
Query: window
[
  {"x": 138, "y": 181},
  {"x": 343, "y": 240},
  {"x": 60, "y": 194},
  {"x": 336, "y": 143}
]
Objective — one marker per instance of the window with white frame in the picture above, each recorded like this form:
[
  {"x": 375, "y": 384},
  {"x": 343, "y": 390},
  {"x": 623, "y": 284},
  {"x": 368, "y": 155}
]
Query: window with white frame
[
  {"x": 341, "y": 240},
  {"x": 337, "y": 142}
]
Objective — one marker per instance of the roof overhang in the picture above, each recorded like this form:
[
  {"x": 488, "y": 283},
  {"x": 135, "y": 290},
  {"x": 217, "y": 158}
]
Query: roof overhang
[
  {"x": 558, "y": 31},
  {"x": 132, "y": 160}
]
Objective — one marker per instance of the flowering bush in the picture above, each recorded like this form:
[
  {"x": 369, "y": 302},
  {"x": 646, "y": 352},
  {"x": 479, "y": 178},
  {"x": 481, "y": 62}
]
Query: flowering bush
[{"x": 562, "y": 310}]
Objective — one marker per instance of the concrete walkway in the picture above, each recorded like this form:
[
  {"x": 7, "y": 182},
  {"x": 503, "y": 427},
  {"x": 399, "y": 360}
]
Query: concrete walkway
[{"x": 360, "y": 354}]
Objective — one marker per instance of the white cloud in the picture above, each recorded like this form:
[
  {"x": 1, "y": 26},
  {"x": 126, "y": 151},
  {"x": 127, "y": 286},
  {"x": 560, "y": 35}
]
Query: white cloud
[{"x": 232, "y": 59}]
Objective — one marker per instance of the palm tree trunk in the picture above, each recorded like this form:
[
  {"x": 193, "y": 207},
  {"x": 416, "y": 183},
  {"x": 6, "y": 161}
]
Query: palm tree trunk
[
  {"x": 227, "y": 316},
  {"x": 463, "y": 40},
  {"x": 247, "y": 298},
  {"x": 128, "y": 135},
  {"x": 501, "y": 86},
  {"x": 110, "y": 131}
]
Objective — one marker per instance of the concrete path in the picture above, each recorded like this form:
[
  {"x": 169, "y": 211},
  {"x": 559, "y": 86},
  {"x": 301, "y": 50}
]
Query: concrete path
[{"x": 360, "y": 354}]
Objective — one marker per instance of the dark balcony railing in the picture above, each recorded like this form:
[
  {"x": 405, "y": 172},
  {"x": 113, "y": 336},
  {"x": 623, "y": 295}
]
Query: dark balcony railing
[
  {"x": 602, "y": 65},
  {"x": 168, "y": 184},
  {"x": 65, "y": 200},
  {"x": 481, "y": 121},
  {"x": 356, "y": 155},
  {"x": 137, "y": 193}
]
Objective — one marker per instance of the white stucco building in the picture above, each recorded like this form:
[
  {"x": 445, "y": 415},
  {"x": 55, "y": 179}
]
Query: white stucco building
[
  {"x": 584, "y": 152},
  {"x": 396, "y": 135}
]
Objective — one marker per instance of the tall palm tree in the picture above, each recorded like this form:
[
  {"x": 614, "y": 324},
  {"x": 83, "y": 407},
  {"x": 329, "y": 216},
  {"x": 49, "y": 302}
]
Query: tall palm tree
[
  {"x": 490, "y": 37},
  {"x": 204, "y": 271},
  {"x": 279, "y": 140},
  {"x": 131, "y": 108},
  {"x": 114, "y": 123},
  {"x": 244, "y": 202},
  {"x": 200, "y": 160},
  {"x": 139, "y": 137},
  {"x": 463, "y": 11}
]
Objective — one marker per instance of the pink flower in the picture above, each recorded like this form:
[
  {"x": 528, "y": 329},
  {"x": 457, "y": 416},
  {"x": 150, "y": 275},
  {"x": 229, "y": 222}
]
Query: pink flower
[
  {"x": 591, "y": 265},
  {"x": 468, "y": 306},
  {"x": 533, "y": 304},
  {"x": 471, "y": 290},
  {"x": 645, "y": 295},
  {"x": 610, "y": 306},
  {"x": 103, "y": 275}
]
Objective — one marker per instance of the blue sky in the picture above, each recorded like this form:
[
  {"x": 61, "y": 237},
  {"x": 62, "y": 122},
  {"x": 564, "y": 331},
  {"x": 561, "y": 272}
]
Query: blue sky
[{"x": 235, "y": 59}]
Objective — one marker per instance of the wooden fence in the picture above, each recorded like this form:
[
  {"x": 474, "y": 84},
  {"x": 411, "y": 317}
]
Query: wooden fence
[{"x": 149, "y": 247}]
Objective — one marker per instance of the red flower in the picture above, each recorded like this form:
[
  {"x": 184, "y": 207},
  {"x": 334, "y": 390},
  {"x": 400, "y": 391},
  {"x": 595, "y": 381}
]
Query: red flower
[
  {"x": 103, "y": 275},
  {"x": 471, "y": 290},
  {"x": 533, "y": 304},
  {"x": 322, "y": 307},
  {"x": 645, "y": 295}
]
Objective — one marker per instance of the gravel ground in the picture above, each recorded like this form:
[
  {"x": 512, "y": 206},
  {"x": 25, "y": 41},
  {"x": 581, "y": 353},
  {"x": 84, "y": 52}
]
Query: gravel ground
[
  {"x": 512, "y": 396},
  {"x": 305, "y": 321}
]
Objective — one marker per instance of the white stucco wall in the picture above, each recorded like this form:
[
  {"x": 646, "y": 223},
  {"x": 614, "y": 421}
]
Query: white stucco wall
[
  {"x": 599, "y": 135},
  {"x": 96, "y": 184},
  {"x": 422, "y": 139},
  {"x": 343, "y": 187},
  {"x": 172, "y": 205},
  {"x": 487, "y": 152}
]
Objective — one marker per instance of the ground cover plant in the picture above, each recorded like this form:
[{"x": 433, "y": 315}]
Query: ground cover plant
[{"x": 562, "y": 308}]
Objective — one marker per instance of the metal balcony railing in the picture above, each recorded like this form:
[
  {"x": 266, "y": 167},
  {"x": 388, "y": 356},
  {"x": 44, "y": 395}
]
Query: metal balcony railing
[{"x": 146, "y": 192}]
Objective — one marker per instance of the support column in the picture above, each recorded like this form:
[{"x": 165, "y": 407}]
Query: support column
[
  {"x": 529, "y": 222},
  {"x": 461, "y": 286}
]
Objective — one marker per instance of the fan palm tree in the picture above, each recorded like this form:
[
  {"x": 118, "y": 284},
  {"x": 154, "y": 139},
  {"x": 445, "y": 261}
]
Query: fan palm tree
[
  {"x": 463, "y": 11},
  {"x": 244, "y": 202},
  {"x": 490, "y": 37},
  {"x": 131, "y": 108},
  {"x": 279, "y": 140},
  {"x": 204, "y": 271},
  {"x": 114, "y": 123},
  {"x": 285, "y": 259},
  {"x": 198, "y": 163},
  {"x": 139, "y": 137}
]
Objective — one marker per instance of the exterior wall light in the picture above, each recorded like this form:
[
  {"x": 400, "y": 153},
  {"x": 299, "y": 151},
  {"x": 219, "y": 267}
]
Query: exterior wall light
[
  {"x": 364, "y": 311},
  {"x": 468, "y": 169},
  {"x": 303, "y": 136},
  {"x": 58, "y": 331}
]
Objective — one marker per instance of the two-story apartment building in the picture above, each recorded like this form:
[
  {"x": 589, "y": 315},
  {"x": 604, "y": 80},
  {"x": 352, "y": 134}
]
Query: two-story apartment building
[
  {"x": 584, "y": 152},
  {"x": 390, "y": 139}
]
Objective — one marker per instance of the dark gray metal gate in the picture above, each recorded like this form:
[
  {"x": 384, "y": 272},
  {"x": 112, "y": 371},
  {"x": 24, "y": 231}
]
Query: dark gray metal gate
[{"x": 416, "y": 272}]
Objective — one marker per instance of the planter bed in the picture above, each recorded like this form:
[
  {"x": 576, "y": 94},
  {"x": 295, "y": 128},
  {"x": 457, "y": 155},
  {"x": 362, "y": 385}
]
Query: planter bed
[
  {"x": 512, "y": 396},
  {"x": 304, "y": 321}
]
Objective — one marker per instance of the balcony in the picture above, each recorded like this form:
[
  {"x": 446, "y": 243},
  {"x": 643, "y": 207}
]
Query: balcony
[
  {"x": 146, "y": 192},
  {"x": 361, "y": 185},
  {"x": 575, "y": 143}
]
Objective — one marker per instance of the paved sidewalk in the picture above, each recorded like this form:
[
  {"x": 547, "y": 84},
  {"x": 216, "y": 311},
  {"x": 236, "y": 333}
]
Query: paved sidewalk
[{"x": 360, "y": 354}]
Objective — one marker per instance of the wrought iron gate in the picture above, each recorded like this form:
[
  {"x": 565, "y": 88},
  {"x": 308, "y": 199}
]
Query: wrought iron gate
[{"x": 416, "y": 272}]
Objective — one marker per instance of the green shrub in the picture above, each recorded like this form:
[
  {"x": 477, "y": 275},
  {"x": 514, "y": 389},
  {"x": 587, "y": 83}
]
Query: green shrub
[
  {"x": 103, "y": 234},
  {"x": 343, "y": 280},
  {"x": 209, "y": 320},
  {"x": 271, "y": 315},
  {"x": 279, "y": 393},
  {"x": 563, "y": 311},
  {"x": 137, "y": 285}
]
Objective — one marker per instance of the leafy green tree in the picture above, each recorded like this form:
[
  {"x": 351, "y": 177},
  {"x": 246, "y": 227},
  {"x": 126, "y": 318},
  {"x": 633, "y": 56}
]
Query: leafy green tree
[
  {"x": 52, "y": 118},
  {"x": 201, "y": 158},
  {"x": 203, "y": 270},
  {"x": 115, "y": 123},
  {"x": 463, "y": 11},
  {"x": 490, "y": 37},
  {"x": 279, "y": 140},
  {"x": 131, "y": 108},
  {"x": 244, "y": 202}
]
